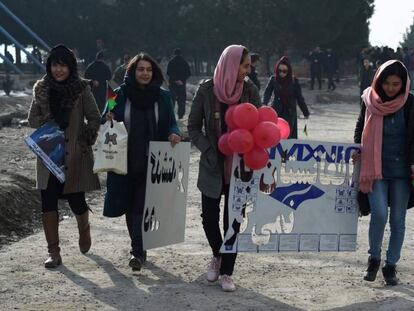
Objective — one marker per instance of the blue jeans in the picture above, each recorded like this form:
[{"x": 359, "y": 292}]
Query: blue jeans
[{"x": 396, "y": 192}]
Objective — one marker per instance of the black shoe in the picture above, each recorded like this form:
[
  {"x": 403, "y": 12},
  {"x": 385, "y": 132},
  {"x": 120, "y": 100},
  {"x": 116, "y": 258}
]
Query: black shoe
[
  {"x": 390, "y": 275},
  {"x": 135, "y": 263},
  {"x": 372, "y": 269}
]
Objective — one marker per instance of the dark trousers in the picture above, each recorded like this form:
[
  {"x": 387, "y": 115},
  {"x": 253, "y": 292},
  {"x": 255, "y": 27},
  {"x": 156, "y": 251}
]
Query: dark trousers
[
  {"x": 134, "y": 216},
  {"x": 54, "y": 192},
  {"x": 211, "y": 218},
  {"x": 179, "y": 96},
  {"x": 318, "y": 76},
  {"x": 331, "y": 83}
]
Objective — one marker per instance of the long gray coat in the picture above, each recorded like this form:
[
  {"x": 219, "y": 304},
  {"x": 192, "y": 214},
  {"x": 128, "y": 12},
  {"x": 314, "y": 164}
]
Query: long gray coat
[
  {"x": 204, "y": 135},
  {"x": 79, "y": 157}
]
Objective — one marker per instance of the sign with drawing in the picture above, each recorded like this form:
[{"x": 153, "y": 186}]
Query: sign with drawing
[
  {"x": 303, "y": 200},
  {"x": 166, "y": 194}
]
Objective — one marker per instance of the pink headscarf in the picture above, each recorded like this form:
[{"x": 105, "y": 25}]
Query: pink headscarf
[
  {"x": 371, "y": 143},
  {"x": 226, "y": 87}
]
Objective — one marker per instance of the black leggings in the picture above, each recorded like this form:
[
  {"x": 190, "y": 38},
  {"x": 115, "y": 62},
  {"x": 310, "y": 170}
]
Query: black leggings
[
  {"x": 211, "y": 219},
  {"x": 54, "y": 192}
]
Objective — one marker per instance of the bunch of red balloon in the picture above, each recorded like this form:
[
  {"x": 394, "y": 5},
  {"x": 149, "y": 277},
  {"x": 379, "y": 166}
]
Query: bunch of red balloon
[{"x": 251, "y": 132}]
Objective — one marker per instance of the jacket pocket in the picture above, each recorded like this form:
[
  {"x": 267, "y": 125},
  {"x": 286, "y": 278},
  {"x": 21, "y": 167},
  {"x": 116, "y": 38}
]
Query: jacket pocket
[{"x": 209, "y": 158}]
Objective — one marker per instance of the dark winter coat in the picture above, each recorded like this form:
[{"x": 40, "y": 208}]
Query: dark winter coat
[
  {"x": 363, "y": 201},
  {"x": 178, "y": 69},
  {"x": 365, "y": 78},
  {"x": 316, "y": 62},
  {"x": 253, "y": 76},
  {"x": 100, "y": 72},
  {"x": 117, "y": 193},
  {"x": 287, "y": 112},
  {"x": 203, "y": 132},
  {"x": 330, "y": 63}
]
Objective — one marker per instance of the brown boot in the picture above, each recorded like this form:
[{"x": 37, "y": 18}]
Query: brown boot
[
  {"x": 50, "y": 226},
  {"x": 84, "y": 232}
]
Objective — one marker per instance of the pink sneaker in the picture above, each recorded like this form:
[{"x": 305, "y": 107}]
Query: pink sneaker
[
  {"x": 227, "y": 283},
  {"x": 213, "y": 271}
]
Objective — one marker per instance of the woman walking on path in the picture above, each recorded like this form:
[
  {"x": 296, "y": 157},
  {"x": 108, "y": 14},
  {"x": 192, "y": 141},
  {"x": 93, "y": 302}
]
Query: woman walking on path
[
  {"x": 287, "y": 93},
  {"x": 206, "y": 124},
  {"x": 385, "y": 129},
  {"x": 61, "y": 96},
  {"x": 147, "y": 111}
]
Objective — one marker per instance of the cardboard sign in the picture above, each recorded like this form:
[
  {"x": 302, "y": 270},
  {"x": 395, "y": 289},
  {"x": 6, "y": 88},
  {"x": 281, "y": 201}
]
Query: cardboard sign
[
  {"x": 303, "y": 200},
  {"x": 166, "y": 194}
]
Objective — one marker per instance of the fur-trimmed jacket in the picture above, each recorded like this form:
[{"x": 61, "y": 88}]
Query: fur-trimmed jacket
[{"x": 79, "y": 137}]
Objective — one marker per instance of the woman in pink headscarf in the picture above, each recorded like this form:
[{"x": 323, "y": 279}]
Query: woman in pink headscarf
[
  {"x": 385, "y": 129},
  {"x": 206, "y": 124}
]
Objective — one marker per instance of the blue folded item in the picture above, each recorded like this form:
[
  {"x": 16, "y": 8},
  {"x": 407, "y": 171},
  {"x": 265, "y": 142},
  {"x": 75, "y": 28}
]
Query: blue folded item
[{"x": 48, "y": 143}]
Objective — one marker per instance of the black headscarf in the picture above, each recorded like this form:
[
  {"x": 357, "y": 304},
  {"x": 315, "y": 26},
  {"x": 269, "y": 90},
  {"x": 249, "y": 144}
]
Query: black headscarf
[
  {"x": 286, "y": 81},
  {"x": 141, "y": 97},
  {"x": 62, "y": 95},
  {"x": 143, "y": 127}
]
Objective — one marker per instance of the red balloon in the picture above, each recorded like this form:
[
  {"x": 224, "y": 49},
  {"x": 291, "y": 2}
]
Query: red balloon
[
  {"x": 241, "y": 141},
  {"x": 228, "y": 117},
  {"x": 266, "y": 134},
  {"x": 267, "y": 113},
  {"x": 256, "y": 159},
  {"x": 223, "y": 145},
  {"x": 284, "y": 128},
  {"x": 246, "y": 116}
]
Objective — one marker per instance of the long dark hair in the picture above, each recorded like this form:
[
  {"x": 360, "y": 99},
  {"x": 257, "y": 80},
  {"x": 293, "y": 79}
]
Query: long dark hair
[
  {"x": 60, "y": 54},
  {"x": 157, "y": 76},
  {"x": 396, "y": 69}
]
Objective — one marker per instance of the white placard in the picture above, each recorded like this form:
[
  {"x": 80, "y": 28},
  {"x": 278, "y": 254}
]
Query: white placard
[
  {"x": 245, "y": 243},
  {"x": 166, "y": 194},
  {"x": 288, "y": 242},
  {"x": 328, "y": 243},
  {"x": 272, "y": 245},
  {"x": 347, "y": 242},
  {"x": 308, "y": 190},
  {"x": 309, "y": 243}
]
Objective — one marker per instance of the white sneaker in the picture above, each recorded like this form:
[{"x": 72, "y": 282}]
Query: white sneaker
[
  {"x": 227, "y": 283},
  {"x": 213, "y": 271}
]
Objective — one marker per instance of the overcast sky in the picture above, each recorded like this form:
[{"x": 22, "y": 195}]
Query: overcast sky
[{"x": 390, "y": 21}]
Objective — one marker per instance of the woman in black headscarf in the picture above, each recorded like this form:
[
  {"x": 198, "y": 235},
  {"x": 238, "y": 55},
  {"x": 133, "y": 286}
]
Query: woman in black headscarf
[{"x": 287, "y": 93}]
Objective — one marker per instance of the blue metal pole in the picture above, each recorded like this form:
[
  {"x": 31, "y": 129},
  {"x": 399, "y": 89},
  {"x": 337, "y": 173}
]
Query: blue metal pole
[
  {"x": 8, "y": 62},
  {"x": 18, "y": 20},
  {"x": 11, "y": 38}
]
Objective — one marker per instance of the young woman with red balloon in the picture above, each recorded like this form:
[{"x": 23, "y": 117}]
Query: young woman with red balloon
[
  {"x": 208, "y": 121},
  {"x": 287, "y": 95}
]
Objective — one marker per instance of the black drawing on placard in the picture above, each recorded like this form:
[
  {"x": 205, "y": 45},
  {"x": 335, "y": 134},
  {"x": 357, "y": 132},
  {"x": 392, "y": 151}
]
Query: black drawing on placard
[
  {"x": 151, "y": 223},
  {"x": 268, "y": 181},
  {"x": 163, "y": 168},
  {"x": 241, "y": 173}
]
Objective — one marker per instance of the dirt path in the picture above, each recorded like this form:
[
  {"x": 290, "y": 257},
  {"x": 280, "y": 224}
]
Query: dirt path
[{"x": 174, "y": 278}]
